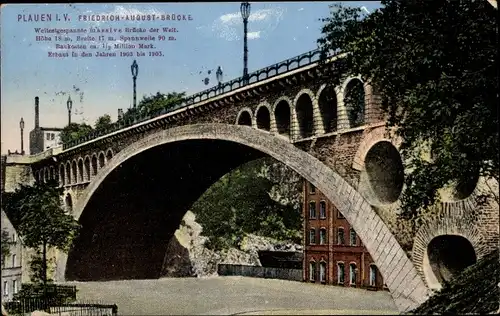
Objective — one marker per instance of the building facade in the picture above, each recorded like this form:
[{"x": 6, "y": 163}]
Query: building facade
[
  {"x": 333, "y": 253},
  {"x": 43, "y": 138},
  {"x": 11, "y": 263}
]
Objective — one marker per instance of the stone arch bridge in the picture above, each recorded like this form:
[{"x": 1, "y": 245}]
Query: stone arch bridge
[{"x": 129, "y": 188}]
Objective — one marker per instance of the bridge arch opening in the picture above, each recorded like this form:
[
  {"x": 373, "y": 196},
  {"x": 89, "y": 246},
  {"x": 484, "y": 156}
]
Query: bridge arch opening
[
  {"x": 80, "y": 171},
  {"x": 62, "y": 174},
  {"x": 87, "y": 168},
  {"x": 68, "y": 202},
  {"x": 263, "y": 118},
  {"x": 384, "y": 178},
  {"x": 68, "y": 173},
  {"x": 328, "y": 108},
  {"x": 74, "y": 172},
  {"x": 282, "y": 116},
  {"x": 354, "y": 101},
  {"x": 109, "y": 155},
  {"x": 305, "y": 117},
  {"x": 137, "y": 201},
  {"x": 94, "y": 165},
  {"x": 46, "y": 175},
  {"x": 245, "y": 118},
  {"x": 101, "y": 160},
  {"x": 448, "y": 256}
]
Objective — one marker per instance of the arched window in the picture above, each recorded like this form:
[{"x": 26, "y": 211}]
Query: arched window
[
  {"x": 322, "y": 272},
  {"x": 312, "y": 271},
  {"x": 312, "y": 209},
  {"x": 352, "y": 237},
  {"x": 322, "y": 236},
  {"x": 340, "y": 273},
  {"x": 352, "y": 274},
  {"x": 340, "y": 236},
  {"x": 312, "y": 188},
  {"x": 322, "y": 209},
  {"x": 312, "y": 236},
  {"x": 373, "y": 275}
]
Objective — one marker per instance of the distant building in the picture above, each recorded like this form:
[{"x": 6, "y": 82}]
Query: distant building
[
  {"x": 333, "y": 253},
  {"x": 11, "y": 264},
  {"x": 43, "y": 138}
]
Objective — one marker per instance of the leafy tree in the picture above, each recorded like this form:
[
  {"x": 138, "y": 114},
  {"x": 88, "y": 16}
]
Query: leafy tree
[
  {"x": 434, "y": 66},
  {"x": 103, "y": 123},
  {"x": 75, "y": 131},
  {"x": 37, "y": 213},
  {"x": 159, "y": 101}
]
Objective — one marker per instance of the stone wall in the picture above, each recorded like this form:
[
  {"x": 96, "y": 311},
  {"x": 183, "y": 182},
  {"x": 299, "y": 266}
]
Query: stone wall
[{"x": 260, "y": 272}]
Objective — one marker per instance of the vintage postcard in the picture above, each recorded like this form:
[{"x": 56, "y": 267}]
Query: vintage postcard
[{"x": 248, "y": 158}]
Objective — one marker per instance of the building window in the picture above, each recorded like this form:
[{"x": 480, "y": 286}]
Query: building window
[
  {"x": 352, "y": 273},
  {"x": 322, "y": 236},
  {"x": 312, "y": 188},
  {"x": 14, "y": 286},
  {"x": 373, "y": 275},
  {"x": 52, "y": 136},
  {"x": 312, "y": 236},
  {"x": 14, "y": 263},
  {"x": 339, "y": 215},
  {"x": 340, "y": 236},
  {"x": 48, "y": 136},
  {"x": 352, "y": 235},
  {"x": 14, "y": 238},
  {"x": 322, "y": 209},
  {"x": 5, "y": 288},
  {"x": 340, "y": 273},
  {"x": 322, "y": 272},
  {"x": 312, "y": 271},
  {"x": 312, "y": 209}
]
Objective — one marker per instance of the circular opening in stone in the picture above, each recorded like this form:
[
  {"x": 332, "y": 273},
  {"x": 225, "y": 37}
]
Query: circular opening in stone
[
  {"x": 263, "y": 118},
  {"x": 449, "y": 255},
  {"x": 385, "y": 171},
  {"x": 245, "y": 119},
  {"x": 466, "y": 186}
]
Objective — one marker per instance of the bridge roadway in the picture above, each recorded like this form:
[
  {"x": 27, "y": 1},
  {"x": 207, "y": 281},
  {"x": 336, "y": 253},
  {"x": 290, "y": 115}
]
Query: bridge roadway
[{"x": 233, "y": 295}]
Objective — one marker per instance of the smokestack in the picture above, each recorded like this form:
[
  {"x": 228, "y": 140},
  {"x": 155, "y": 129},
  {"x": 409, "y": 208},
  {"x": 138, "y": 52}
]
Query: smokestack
[
  {"x": 120, "y": 114},
  {"x": 37, "y": 113}
]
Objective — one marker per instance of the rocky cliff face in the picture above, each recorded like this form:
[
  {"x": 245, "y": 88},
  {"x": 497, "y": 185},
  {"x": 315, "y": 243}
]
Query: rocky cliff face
[{"x": 187, "y": 255}]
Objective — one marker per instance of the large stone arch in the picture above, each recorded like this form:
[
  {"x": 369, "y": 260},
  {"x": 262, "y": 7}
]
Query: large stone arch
[
  {"x": 406, "y": 286},
  {"x": 452, "y": 220}
]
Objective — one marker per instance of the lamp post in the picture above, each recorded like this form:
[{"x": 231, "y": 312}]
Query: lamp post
[
  {"x": 218, "y": 75},
  {"x": 69, "y": 106},
  {"x": 135, "y": 71},
  {"x": 21, "y": 126},
  {"x": 245, "y": 14}
]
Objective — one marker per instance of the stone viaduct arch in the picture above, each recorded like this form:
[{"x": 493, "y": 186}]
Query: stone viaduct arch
[{"x": 402, "y": 279}]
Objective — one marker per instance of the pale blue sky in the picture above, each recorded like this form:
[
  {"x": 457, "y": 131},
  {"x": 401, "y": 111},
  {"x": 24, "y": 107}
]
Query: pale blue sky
[{"x": 277, "y": 31}]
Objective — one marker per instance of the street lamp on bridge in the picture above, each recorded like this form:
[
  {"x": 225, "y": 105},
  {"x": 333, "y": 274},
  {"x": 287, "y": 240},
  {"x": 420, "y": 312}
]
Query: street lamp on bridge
[
  {"x": 69, "y": 106},
  {"x": 135, "y": 71},
  {"x": 245, "y": 14},
  {"x": 21, "y": 126},
  {"x": 218, "y": 75}
]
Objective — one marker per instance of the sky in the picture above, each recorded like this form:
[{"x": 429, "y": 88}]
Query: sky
[{"x": 101, "y": 85}]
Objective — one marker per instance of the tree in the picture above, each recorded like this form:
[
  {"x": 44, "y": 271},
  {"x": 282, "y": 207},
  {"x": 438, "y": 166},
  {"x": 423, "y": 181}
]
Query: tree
[
  {"x": 75, "y": 131},
  {"x": 37, "y": 213},
  {"x": 434, "y": 66},
  {"x": 159, "y": 101},
  {"x": 5, "y": 245},
  {"x": 103, "y": 123}
]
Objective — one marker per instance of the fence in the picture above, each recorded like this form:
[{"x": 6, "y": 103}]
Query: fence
[
  {"x": 260, "y": 272},
  {"x": 28, "y": 305}
]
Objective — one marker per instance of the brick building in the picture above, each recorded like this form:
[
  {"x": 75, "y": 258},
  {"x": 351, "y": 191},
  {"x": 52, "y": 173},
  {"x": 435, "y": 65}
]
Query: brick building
[{"x": 333, "y": 253}]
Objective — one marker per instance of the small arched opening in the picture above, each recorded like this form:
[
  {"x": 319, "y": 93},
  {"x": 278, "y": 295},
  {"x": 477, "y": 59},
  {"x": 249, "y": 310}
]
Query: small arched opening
[
  {"x": 354, "y": 101},
  {"x": 69, "y": 204},
  {"x": 68, "y": 173},
  {"x": 94, "y": 165},
  {"x": 328, "y": 108},
  {"x": 62, "y": 174},
  {"x": 87, "y": 168},
  {"x": 80, "y": 171},
  {"x": 282, "y": 116},
  {"x": 74, "y": 173},
  {"x": 263, "y": 118},
  {"x": 101, "y": 160},
  {"x": 304, "y": 109},
  {"x": 245, "y": 119},
  {"x": 109, "y": 155}
]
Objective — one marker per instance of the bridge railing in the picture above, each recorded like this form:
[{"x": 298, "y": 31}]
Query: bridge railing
[{"x": 279, "y": 68}]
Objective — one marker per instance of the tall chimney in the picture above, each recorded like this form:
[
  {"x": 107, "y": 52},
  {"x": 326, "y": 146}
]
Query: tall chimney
[{"x": 37, "y": 113}]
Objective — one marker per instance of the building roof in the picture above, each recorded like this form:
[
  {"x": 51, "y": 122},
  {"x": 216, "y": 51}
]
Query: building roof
[{"x": 54, "y": 129}]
